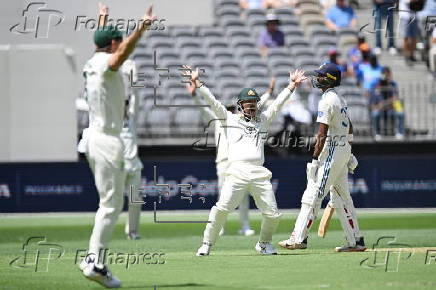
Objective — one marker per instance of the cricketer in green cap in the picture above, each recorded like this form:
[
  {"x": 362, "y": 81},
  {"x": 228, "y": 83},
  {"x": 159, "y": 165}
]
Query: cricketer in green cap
[
  {"x": 104, "y": 36},
  {"x": 247, "y": 103}
]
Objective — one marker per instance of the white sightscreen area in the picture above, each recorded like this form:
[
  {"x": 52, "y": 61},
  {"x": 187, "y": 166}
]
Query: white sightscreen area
[{"x": 37, "y": 113}]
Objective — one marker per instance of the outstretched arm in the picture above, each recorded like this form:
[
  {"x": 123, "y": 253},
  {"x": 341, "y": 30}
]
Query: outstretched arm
[
  {"x": 265, "y": 97},
  {"x": 126, "y": 47},
  {"x": 296, "y": 78},
  {"x": 217, "y": 108},
  {"x": 206, "y": 113}
]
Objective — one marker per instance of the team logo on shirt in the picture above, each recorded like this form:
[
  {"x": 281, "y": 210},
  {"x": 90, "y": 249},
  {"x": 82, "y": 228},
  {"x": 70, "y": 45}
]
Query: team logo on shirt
[
  {"x": 320, "y": 114},
  {"x": 250, "y": 130}
]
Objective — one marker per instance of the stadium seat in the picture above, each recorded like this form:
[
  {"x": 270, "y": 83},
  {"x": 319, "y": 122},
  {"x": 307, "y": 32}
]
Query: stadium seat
[
  {"x": 281, "y": 64},
  {"x": 228, "y": 73},
  {"x": 158, "y": 121},
  {"x": 255, "y": 12},
  {"x": 256, "y": 73},
  {"x": 158, "y": 43},
  {"x": 221, "y": 53},
  {"x": 254, "y": 64},
  {"x": 244, "y": 32},
  {"x": 224, "y": 64},
  {"x": 210, "y": 31},
  {"x": 216, "y": 42},
  {"x": 190, "y": 55},
  {"x": 231, "y": 22},
  {"x": 241, "y": 43},
  {"x": 189, "y": 42},
  {"x": 303, "y": 52},
  {"x": 179, "y": 31},
  {"x": 167, "y": 54},
  {"x": 228, "y": 11}
]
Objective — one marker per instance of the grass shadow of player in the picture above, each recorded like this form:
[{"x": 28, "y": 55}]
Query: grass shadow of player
[{"x": 185, "y": 285}]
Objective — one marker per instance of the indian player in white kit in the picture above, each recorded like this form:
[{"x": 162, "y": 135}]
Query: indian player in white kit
[
  {"x": 328, "y": 171},
  {"x": 105, "y": 95},
  {"x": 222, "y": 161},
  {"x": 246, "y": 133}
]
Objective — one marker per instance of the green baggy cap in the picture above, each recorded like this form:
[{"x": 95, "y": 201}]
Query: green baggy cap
[{"x": 103, "y": 36}]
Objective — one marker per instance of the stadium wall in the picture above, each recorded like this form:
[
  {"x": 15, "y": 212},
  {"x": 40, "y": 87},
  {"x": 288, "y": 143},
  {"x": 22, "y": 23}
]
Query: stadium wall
[{"x": 378, "y": 182}]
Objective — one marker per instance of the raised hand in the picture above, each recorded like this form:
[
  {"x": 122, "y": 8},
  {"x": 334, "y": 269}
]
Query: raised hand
[
  {"x": 148, "y": 17},
  {"x": 296, "y": 78},
  {"x": 193, "y": 75},
  {"x": 103, "y": 9},
  {"x": 103, "y": 12}
]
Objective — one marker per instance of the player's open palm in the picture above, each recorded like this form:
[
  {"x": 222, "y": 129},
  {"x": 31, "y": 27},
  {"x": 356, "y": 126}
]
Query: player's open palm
[{"x": 297, "y": 77}]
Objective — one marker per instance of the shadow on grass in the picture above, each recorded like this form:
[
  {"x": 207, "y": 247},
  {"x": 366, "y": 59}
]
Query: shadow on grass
[{"x": 157, "y": 287}]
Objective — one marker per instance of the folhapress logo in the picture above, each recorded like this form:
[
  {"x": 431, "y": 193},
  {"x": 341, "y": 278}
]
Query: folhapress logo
[
  {"x": 38, "y": 20},
  {"x": 37, "y": 254}
]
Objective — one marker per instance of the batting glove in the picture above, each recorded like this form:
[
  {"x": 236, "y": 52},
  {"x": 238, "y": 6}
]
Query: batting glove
[
  {"x": 352, "y": 164},
  {"x": 311, "y": 170}
]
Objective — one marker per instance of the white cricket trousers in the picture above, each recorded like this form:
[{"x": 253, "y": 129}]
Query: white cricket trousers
[
  {"x": 133, "y": 180},
  {"x": 234, "y": 189},
  {"x": 244, "y": 206},
  {"x": 332, "y": 174},
  {"x": 105, "y": 157}
]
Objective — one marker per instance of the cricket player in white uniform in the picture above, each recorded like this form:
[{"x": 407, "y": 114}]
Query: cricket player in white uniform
[
  {"x": 329, "y": 168},
  {"x": 132, "y": 163},
  {"x": 246, "y": 134},
  {"x": 221, "y": 159},
  {"x": 106, "y": 95}
]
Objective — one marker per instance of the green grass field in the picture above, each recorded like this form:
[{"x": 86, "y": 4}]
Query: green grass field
[{"x": 233, "y": 264}]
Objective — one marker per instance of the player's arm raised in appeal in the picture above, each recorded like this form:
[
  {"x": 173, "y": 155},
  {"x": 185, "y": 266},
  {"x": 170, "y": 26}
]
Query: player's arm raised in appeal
[
  {"x": 295, "y": 79},
  {"x": 216, "y": 107},
  {"x": 126, "y": 47}
]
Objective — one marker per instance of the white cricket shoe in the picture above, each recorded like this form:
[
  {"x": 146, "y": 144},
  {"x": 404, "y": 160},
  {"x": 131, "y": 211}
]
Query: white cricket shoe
[
  {"x": 347, "y": 248},
  {"x": 204, "y": 250},
  {"x": 246, "y": 232},
  {"x": 133, "y": 236},
  {"x": 290, "y": 244},
  {"x": 102, "y": 276},
  {"x": 265, "y": 248},
  {"x": 89, "y": 259}
]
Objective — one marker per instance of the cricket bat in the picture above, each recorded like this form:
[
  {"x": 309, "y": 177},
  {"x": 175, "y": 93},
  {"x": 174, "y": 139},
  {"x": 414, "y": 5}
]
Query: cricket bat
[{"x": 325, "y": 221}]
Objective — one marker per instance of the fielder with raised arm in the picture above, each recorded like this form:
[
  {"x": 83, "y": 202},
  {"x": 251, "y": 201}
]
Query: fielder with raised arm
[
  {"x": 329, "y": 167},
  {"x": 222, "y": 160},
  {"x": 132, "y": 163},
  {"x": 106, "y": 95},
  {"x": 246, "y": 134}
]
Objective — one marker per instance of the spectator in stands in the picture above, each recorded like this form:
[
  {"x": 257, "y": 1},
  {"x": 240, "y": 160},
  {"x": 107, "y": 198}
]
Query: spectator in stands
[
  {"x": 334, "y": 55},
  {"x": 327, "y": 4},
  {"x": 376, "y": 109},
  {"x": 383, "y": 9},
  {"x": 271, "y": 36},
  {"x": 355, "y": 54},
  {"x": 257, "y": 4},
  {"x": 386, "y": 92},
  {"x": 409, "y": 27},
  {"x": 370, "y": 73},
  {"x": 340, "y": 16},
  {"x": 432, "y": 53}
]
